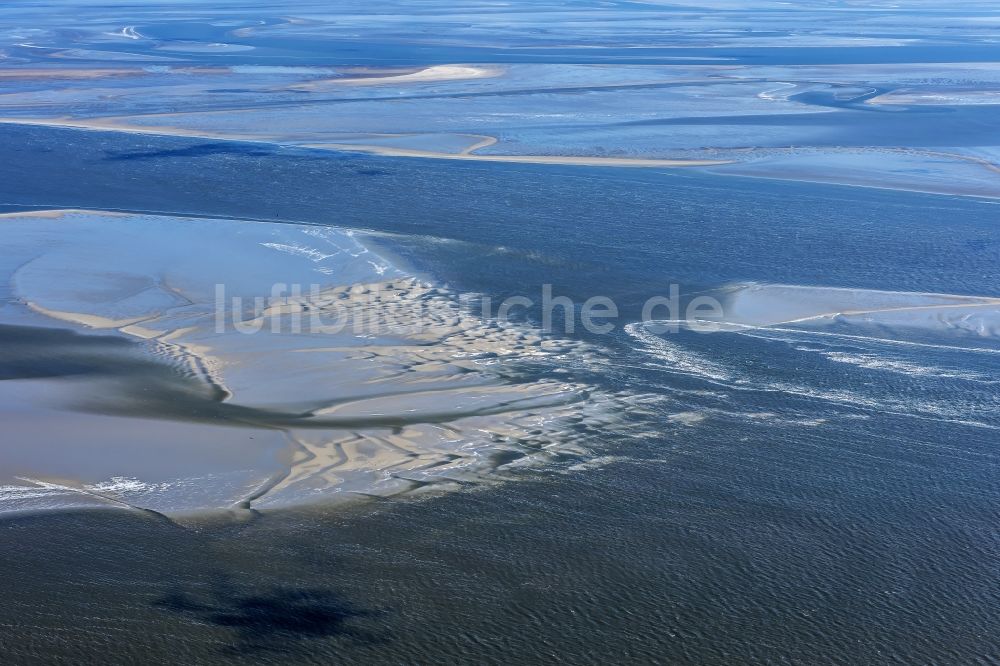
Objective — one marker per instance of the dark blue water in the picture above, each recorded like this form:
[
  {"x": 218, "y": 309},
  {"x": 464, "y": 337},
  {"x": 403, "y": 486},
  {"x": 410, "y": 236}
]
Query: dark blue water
[{"x": 824, "y": 511}]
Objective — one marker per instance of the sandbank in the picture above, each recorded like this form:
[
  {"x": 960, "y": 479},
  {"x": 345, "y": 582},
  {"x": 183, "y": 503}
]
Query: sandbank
[{"x": 371, "y": 382}]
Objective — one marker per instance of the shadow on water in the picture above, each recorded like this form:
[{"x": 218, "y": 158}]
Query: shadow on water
[
  {"x": 197, "y": 150},
  {"x": 280, "y": 620},
  {"x": 118, "y": 587},
  {"x": 242, "y": 149},
  {"x": 28, "y": 352}
]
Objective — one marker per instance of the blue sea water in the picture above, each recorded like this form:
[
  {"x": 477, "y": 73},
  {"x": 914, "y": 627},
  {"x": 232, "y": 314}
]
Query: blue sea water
[{"x": 833, "y": 501}]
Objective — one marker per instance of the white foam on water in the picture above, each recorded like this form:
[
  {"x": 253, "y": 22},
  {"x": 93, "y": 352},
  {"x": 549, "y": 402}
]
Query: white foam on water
[
  {"x": 20, "y": 493},
  {"x": 871, "y": 361},
  {"x": 767, "y": 333},
  {"x": 796, "y": 316},
  {"x": 597, "y": 463},
  {"x": 124, "y": 486},
  {"x": 675, "y": 358},
  {"x": 300, "y": 250}
]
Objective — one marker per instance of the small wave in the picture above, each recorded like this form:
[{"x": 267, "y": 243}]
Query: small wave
[{"x": 299, "y": 250}]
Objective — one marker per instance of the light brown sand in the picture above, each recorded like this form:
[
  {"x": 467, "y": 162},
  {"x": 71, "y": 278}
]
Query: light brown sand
[
  {"x": 84, "y": 319},
  {"x": 68, "y": 73},
  {"x": 115, "y": 125},
  {"x": 427, "y": 75},
  {"x": 467, "y": 154}
]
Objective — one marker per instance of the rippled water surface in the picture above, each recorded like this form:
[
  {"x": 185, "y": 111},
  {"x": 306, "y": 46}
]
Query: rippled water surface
[{"x": 800, "y": 494}]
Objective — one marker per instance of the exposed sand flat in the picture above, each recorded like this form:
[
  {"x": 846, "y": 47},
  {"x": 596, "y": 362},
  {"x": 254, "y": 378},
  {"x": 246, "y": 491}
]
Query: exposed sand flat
[
  {"x": 764, "y": 305},
  {"x": 114, "y": 125},
  {"x": 937, "y": 97},
  {"x": 372, "y": 382},
  {"x": 444, "y": 142},
  {"x": 524, "y": 159},
  {"x": 389, "y": 462},
  {"x": 35, "y": 73},
  {"x": 57, "y": 453},
  {"x": 426, "y": 75},
  {"x": 85, "y": 319},
  {"x": 484, "y": 142}
]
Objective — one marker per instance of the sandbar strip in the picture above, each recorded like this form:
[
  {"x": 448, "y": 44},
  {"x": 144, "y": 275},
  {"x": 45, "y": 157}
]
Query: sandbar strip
[
  {"x": 467, "y": 154},
  {"x": 106, "y": 125},
  {"x": 426, "y": 75}
]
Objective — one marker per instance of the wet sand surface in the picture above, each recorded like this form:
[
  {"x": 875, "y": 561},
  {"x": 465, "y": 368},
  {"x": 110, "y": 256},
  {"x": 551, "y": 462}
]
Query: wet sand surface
[{"x": 352, "y": 378}]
